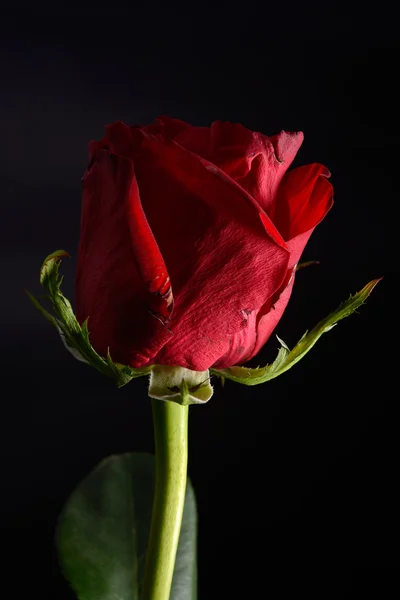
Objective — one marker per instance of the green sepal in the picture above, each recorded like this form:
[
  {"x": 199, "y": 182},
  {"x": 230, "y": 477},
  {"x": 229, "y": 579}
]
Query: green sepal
[
  {"x": 287, "y": 358},
  {"x": 75, "y": 337},
  {"x": 180, "y": 385}
]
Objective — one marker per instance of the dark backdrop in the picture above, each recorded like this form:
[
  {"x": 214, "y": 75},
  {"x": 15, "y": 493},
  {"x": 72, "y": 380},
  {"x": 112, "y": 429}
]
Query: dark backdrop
[{"x": 295, "y": 479}]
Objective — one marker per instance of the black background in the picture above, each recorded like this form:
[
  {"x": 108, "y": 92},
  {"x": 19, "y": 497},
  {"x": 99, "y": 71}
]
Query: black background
[{"x": 296, "y": 479}]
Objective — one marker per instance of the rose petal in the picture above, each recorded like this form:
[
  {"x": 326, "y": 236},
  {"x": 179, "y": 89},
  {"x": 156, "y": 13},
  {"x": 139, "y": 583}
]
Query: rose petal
[
  {"x": 122, "y": 282},
  {"x": 267, "y": 322},
  {"x": 119, "y": 138},
  {"x": 219, "y": 256},
  {"x": 303, "y": 199},
  {"x": 169, "y": 127},
  {"x": 271, "y": 159},
  {"x": 253, "y": 160},
  {"x": 241, "y": 343}
]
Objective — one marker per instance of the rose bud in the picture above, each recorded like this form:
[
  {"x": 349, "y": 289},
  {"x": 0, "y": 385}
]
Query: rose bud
[{"x": 189, "y": 240}]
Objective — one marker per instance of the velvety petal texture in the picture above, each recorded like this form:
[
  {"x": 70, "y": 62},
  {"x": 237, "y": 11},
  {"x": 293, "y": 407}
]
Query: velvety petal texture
[{"x": 189, "y": 239}]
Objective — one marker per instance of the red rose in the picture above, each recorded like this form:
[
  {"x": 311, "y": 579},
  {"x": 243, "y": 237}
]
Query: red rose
[{"x": 189, "y": 240}]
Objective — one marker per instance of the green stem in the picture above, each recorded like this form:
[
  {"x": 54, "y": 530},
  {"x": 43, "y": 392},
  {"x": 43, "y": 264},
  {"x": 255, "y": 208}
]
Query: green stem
[{"x": 171, "y": 442}]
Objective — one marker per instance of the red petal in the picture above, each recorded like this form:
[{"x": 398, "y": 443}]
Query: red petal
[
  {"x": 122, "y": 282},
  {"x": 253, "y": 160},
  {"x": 170, "y": 128},
  {"x": 219, "y": 256},
  {"x": 267, "y": 322},
  {"x": 304, "y": 197},
  {"x": 119, "y": 138},
  {"x": 266, "y": 175}
]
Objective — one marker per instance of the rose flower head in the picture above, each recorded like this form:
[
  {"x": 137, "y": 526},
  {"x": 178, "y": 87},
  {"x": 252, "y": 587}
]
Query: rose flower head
[{"x": 190, "y": 237}]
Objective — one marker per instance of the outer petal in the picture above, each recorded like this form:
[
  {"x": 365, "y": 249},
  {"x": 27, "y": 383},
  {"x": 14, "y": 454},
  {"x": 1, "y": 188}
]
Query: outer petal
[
  {"x": 213, "y": 237},
  {"x": 122, "y": 283},
  {"x": 304, "y": 198},
  {"x": 259, "y": 326}
]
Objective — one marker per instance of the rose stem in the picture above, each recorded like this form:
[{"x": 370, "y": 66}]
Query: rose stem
[{"x": 171, "y": 444}]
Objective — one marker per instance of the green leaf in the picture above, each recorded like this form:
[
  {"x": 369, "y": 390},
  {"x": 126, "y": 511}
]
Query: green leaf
[
  {"x": 104, "y": 527},
  {"x": 74, "y": 336},
  {"x": 287, "y": 358}
]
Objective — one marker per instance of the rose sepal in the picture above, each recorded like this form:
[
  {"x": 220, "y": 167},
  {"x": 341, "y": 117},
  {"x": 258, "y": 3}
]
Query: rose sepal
[
  {"x": 74, "y": 336},
  {"x": 180, "y": 385}
]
